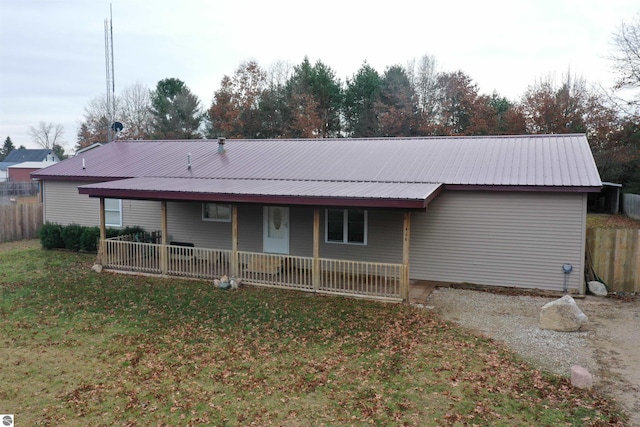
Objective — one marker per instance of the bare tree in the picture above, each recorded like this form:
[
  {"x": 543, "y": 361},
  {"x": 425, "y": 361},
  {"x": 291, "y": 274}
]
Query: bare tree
[
  {"x": 132, "y": 109},
  {"x": 47, "y": 135},
  {"x": 626, "y": 62},
  {"x": 279, "y": 73},
  {"x": 135, "y": 112},
  {"x": 423, "y": 76},
  {"x": 627, "y": 56}
]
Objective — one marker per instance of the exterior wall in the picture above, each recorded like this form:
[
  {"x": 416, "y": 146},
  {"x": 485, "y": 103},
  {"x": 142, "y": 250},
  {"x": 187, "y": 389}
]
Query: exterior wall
[
  {"x": 503, "y": 239},
  {"x": 185, "y": 224},
  {"x": 384, "y": 232},
  {"x": 20, "y": 174},
  {"x": 63, "y": 205},
  {"x": 488, "y": 238}
]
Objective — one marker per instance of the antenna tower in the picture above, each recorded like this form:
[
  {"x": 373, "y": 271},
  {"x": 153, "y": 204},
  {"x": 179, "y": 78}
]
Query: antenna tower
[{"x": 111, "y": 85}]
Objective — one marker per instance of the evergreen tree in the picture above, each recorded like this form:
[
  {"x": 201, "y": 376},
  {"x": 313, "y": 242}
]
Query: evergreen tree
[
  {"x": 7, "y": 148},
  {"x": 361, "y": 96},
  {"x": 176, "y": 111}
]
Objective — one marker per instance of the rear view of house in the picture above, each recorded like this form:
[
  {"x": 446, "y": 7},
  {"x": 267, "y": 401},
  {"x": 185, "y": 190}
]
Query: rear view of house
[{"x": 503, "y": 211}]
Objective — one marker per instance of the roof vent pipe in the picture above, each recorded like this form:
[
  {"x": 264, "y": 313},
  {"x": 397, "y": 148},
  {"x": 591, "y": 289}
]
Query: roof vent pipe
[
  {"x": 83, "y": 166},
  {"x": 221, "y": 145},
  {"x": 189, "y": 161}
]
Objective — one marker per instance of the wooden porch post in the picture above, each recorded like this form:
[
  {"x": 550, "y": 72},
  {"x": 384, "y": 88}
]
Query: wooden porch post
[
  {"x": 164, "y": 259},
  {"x": 315, "y": 269},
  {"x": 234, "y": 241},
  {"x": 103, "y": 234},
  {"x": 404, "y": 279}
]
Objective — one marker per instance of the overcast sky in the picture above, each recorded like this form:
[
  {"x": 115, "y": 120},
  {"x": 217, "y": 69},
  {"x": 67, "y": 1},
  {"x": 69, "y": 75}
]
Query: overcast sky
[{"x": 52, "y": 60}]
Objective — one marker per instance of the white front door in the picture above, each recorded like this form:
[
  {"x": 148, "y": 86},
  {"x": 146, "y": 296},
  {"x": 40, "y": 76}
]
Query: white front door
[{"x": 276, "y": 230}]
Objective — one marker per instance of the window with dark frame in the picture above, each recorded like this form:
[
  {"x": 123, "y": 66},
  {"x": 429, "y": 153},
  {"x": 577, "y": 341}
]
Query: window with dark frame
[
  {"x": 220, "y": 212},
  {"x": 346, "y": 226}
]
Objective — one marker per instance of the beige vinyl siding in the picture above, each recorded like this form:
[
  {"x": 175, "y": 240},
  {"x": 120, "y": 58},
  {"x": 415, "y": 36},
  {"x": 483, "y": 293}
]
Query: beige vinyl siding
[
  {"x": 143, "y": 213},
  {"x": 500, "y": 238},
  {"x": 185, "y": 224},
  {"x": 250, "y": 228},
  {"x": 63, "y": 205}
]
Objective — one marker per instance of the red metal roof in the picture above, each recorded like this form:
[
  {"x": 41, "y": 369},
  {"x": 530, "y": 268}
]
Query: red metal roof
[
  {"x": 260, "y": 191},
  {"x": 530, "y": 162}
]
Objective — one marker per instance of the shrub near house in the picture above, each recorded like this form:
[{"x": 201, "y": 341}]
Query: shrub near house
[{"x": 76, "y": 237}]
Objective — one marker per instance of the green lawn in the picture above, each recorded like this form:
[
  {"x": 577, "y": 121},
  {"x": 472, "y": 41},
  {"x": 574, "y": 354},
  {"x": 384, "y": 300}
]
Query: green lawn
[{"x": 80, "y": 348}]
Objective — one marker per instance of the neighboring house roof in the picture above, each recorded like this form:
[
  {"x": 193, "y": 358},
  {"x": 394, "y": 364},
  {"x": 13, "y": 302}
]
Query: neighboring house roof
[
  {"x": 20, "y": 155},
  {"x": 5, "y": 165},
  {"x": 297, "y": 168},
  {"x": 32, "y": 165}
]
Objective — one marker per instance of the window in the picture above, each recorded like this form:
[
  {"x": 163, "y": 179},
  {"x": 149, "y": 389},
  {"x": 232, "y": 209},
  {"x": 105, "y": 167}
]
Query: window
[
  {"x": 113, "y": 212},
  {"x": 346, "y": 226},
  {"x": 216, "y": 212}
]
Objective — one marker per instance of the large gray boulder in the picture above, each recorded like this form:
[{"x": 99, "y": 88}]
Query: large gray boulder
[
  {"x": 597, "y": 288},
  {"x": 562, "y": 315}
]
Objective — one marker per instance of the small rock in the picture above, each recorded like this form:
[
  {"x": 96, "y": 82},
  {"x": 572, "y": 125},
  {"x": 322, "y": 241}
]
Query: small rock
[
  {"x": 597, "y": 288},
  {"x": 580, "y": 377},
  {"x": 235, "y": 283},
  {"x": 562, "y": 315},
  {"x": 97, "y": 268}
]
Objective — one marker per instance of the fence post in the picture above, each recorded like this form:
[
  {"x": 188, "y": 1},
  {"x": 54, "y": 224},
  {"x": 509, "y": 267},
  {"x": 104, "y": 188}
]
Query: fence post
[
  {"x": 315, "y": 269},
  {"x": 406, "y": 239},
  {"x": 234, "y": 242},
  {"x": 164, "y": 259},
  {"x": 103, "y": 235}
]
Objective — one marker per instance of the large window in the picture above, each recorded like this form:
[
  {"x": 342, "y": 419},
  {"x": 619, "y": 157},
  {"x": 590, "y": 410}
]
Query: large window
[
  {"x": 346, "y": 226},
  {"x": 216, "y": 212},
  {"x": 113, "y": 212}
]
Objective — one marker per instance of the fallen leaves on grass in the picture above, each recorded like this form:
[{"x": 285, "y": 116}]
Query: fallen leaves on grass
[{"x": 176, "y": 352}]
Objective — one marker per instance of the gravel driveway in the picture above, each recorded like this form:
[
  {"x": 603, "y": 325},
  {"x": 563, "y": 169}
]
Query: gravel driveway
[{"x": 608, "y": 346}]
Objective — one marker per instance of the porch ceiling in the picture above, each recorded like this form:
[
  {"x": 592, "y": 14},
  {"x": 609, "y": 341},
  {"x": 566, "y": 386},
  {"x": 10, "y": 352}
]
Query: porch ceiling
[{"x": 292, "y": 192}]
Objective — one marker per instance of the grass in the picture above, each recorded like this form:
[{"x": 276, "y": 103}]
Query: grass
[{"x": 79, "y": 348}]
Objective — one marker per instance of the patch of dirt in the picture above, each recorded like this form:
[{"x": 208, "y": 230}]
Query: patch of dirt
[{"x": 608, "y": 345}]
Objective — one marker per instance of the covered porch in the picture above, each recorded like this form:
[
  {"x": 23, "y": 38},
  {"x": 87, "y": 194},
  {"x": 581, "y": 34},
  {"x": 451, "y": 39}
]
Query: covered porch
[
  {"x": 350, "y": 273},
  {"x": 382, "y": 281}
]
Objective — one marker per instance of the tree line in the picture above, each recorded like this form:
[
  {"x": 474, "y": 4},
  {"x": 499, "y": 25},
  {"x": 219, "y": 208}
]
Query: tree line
[{"x": 416, "y": 99}]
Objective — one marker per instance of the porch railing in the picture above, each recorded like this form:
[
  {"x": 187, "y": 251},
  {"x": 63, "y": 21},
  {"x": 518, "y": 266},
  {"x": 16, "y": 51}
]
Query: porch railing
[
  {"x": 277, "y": 270},
  {"x": 330, "y": 276},
  {"x": 131, "y": 256},
  {"x": 361, "y": 278},
  {"x": 201, "y": 263}
]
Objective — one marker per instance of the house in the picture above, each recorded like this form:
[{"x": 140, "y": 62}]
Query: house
[
  {"x": 21, "y": 172},
  {"x": 496, "y": 210},
  {"x": 20, "y": 155},
  {"x": 4, "y": 170}
]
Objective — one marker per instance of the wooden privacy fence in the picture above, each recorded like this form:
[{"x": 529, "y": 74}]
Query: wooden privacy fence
[
  {"x": 615, "y": 255},
  {"x": 20, "y": 221},
  {"x": 631, "y": 205}
]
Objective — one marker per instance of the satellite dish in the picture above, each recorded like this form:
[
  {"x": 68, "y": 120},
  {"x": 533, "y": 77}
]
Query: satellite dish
[{"x": 117, "y": 126}]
